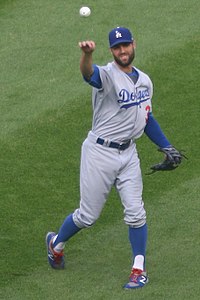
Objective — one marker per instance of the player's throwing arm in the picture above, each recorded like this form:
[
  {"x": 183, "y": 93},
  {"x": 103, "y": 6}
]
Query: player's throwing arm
[{"x": 87, "y": 48}]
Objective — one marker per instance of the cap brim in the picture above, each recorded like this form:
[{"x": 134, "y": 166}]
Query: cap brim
[{"x": 120, "y": 42}]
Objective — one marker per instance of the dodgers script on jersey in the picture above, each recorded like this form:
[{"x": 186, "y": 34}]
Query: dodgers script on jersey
[{"x": 121, "y": 99}]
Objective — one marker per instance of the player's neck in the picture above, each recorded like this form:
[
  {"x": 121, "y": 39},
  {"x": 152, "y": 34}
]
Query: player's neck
[{"x": 128, "y": 69}]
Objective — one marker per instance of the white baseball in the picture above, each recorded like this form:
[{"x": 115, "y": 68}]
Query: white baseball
[{"x": 85, "y": 11}]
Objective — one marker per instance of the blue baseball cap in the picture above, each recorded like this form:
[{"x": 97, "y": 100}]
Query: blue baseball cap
[{"x": 120, "y": 35}]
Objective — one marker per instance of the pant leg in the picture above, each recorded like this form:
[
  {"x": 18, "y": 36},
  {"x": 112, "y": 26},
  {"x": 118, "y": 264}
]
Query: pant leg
[
  {"x": 98, "y": 171},
  {"x": 129, "y": 185}
]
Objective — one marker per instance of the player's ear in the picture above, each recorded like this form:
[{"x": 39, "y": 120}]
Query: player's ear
[
  {"x": 134, "y": 44},
  {"x": 110, "y": 49}
]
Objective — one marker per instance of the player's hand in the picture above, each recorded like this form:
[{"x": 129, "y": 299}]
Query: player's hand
[{"x": 87, "y": 46}]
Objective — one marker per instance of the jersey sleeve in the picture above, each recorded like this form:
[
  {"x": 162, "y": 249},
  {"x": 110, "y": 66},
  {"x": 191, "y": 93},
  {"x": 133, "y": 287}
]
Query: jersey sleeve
[
  {"x": 95, "y": 79},
  {"x": 154, "y": 132}
]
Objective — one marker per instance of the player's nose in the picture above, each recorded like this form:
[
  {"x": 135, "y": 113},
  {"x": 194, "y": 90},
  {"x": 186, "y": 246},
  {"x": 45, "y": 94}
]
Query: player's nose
[{"x": 122, "y": 48}]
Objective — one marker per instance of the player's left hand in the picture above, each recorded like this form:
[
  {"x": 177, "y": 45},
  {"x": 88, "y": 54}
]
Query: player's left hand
[{"x": 172, "y": 160}]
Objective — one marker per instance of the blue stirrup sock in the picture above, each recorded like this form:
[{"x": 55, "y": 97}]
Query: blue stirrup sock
[
  {"x": 67, "y": 230},
  {"x": 138, "y": 240}
]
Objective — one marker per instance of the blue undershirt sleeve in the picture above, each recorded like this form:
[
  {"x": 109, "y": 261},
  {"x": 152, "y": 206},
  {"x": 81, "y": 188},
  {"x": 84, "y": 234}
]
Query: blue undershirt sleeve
[
  {"x": 154, "y": 132},
  {"x": 95, "y": 79}
]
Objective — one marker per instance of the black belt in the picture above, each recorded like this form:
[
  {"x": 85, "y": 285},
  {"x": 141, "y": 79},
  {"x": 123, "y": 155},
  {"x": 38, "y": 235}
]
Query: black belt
[{"x": 122, "y": 146}]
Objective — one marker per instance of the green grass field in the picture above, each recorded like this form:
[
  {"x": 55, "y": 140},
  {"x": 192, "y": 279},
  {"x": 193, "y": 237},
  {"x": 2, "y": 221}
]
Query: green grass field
[{"x": 45, "y": 114}]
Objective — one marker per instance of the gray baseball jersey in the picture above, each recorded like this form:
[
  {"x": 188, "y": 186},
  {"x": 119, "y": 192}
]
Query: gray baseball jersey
[{"x": 121, "y": 107}]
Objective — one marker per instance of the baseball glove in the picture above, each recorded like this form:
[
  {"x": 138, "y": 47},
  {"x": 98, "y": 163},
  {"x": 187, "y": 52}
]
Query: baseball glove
[{"x": 172, "y": 160}]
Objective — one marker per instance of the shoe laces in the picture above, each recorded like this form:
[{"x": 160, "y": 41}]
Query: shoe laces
[{"x": 135, "y": 273}]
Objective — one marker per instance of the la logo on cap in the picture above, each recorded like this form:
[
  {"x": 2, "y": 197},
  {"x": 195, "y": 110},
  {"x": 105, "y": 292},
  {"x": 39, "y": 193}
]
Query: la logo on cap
[{"x": 118, "y": 34}]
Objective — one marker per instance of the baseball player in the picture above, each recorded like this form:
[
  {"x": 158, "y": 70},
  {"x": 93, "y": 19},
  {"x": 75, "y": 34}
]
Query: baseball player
[{"x": 122, "y": 112}]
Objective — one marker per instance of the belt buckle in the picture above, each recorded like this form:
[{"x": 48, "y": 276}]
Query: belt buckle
[
  {"x": 120, "y": 145},
  {"x": 106, "y": 142}
]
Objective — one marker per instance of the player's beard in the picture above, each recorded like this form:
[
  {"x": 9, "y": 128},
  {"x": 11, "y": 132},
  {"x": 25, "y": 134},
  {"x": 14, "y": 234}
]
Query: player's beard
[{"x": 129, "y": 61}]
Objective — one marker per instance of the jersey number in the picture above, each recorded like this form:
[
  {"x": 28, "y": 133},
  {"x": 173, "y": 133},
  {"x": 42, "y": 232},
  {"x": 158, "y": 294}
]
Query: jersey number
[{"x": 147, "y": 108}]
